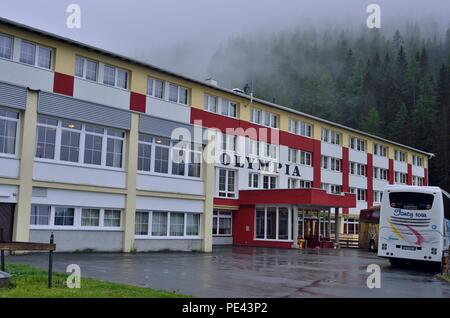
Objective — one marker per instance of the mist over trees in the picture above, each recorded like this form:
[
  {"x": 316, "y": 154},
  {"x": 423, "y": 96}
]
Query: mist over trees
[{"x": 392, "y": 84}]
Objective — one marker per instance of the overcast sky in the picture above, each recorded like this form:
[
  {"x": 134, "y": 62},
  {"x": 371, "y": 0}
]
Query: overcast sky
[{"x": 181, "y": 35}]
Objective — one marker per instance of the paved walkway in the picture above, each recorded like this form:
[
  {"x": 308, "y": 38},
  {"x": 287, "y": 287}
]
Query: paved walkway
[{"x": 252, "y": 272}]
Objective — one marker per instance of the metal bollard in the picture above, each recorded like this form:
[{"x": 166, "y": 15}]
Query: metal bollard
[{"x": 50, "y": 262}]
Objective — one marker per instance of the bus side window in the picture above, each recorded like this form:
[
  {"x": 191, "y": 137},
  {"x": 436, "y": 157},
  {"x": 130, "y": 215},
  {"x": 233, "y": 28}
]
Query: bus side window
[{"x": 446, "y": 200}]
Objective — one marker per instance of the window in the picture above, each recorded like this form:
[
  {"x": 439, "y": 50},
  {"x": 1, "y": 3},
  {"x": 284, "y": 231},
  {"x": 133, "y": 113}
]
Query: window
[
  {"x": 162, "y": 148},
  {"x": 229, "y": 142},
  {"x": 264, "y": 118},
  {"x": 400, "y": 156},
  {"x": 273, "y": 223},
  {"x": 64, "y": 216},
  {"x": 6, "y": 47},
  {"x": 222, "y": 223},
  {"x": 256, "y": 116},
  {"x": 294, "y": 183},
  {"x": 111, "y": 218},
  {"x": 351, "y": 226},
  {"x": 90, "y": 217},
  {"x": 35, "y": 55},
  {"x": 122, "y": 79},
  {"x": 417, "y": 161},
  {"x": 192, "y": 224},
  {"x": 411, "y": 200},
  {"x": 155, "y": 88},
  {"x": 160, "y": 155},
  {"x": 211, "y": 103},
  {"x": 357, "y": 169},
  {"x": 270, "y": 182},
  {"x": 63, "y": 138},
  {"x": 268, "y": 150},
  {"x": 176, "y": 224},
  {"x": 9, "y": 121},
  {"x": 46, "y": 138},
  {"x": 28, "y": 53},
  {"x": 114, "y": 148},
  {"x": 113, "y": 76},
  {"x": 159, "y": 224},
  {"x": 178, "y": 94},
  {"x": 40, "y": 215},
  {"x": 300, "y": 128},
  {"x": 377, "y": 196},
  {"x": 400, "y": 177},
  {"x": 379, "y": 150},
  {"x": 141, "y": 223},
  {"x": 109, "y": 75},
  {"x": 331, "y": 163},
  {"x": 145, "y": 153},
  {"x": 299, "y": 157},
  {"x": 45, "y": 57},
  {"x": 418, "y": 181},
  {"x": 332, "y": 188},
  {"x": 357, "y": 144},
  {"x": 361, "y": 194},
  {"x": 380, "y": 173},
  {"x": 253, "y": 180},
  {"x": 93, "y": 145},
  {"x": 85, "y": 68},
  {"x": 252, "y": 147},
  {"x": 227, "y": 183},
  {"x": 331, "y": 136},
  {"x": 70, "y": 141},
  {"x": 228, "y": 108},
  {"x": 166, "y": 224},
  {"x": 75, "y": 218}
]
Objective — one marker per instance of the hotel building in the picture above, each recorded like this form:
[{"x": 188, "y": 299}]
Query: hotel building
[{"x": 90, "y": 150}]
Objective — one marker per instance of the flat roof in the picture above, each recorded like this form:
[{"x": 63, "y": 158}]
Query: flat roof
[{"x": 165, "y": 71}]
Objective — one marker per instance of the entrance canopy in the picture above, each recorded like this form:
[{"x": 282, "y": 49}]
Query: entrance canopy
[{"x": 316, "y": 198}]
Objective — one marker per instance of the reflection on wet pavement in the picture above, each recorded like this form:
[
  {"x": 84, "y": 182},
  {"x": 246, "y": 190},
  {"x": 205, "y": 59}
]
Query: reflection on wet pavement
[{"x": 253, "y": 272}]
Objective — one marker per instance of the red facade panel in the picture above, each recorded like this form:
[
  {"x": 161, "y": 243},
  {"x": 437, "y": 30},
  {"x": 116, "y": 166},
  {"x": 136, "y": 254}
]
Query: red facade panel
[
  {"x": 63, "y": 84},
  {"x": 138, "y": 102}
]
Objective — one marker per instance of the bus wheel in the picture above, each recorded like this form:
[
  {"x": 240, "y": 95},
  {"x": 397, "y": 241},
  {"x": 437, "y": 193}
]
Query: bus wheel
[
  {"x": 372, "y": 246},
  {"x": 395, "y": 262}
]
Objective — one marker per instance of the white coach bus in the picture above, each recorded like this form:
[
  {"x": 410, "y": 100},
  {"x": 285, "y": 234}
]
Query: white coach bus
[{"x": 414, "y": 224}]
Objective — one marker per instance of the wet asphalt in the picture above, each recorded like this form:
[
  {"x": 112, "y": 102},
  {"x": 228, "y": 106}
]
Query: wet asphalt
[{"x": 243, "y": 272}]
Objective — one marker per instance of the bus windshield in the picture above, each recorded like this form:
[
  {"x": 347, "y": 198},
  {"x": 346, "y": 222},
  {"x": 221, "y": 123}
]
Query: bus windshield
[{"x": 411, "y": 200}]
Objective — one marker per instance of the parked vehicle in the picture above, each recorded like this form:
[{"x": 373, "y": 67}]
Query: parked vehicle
[
  {"x": 369, "y": 222},
  {"x": 414, "y": 224}
]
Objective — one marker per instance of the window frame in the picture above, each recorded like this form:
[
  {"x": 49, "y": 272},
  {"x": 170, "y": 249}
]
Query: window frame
[
  {"x": 37, "y": 47},
  {"x": 217, "y": 216},
  {"x": 277, "y": 232},
  {"x": 168, "y": 235},
  {"x": 82, "y": 145},
  {"x": 17, "y": 121}
]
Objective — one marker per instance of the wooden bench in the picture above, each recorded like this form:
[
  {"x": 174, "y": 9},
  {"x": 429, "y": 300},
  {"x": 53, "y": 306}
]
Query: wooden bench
[{"x": 30, "y": 247}]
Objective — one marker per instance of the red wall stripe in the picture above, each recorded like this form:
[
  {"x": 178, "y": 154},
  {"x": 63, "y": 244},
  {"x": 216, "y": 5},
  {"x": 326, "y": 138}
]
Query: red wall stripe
[
  {"x": 391, "y": 171},
  {"x": 345, "y": 170},
  {"x": 63, "y": 84},
  {"x": 138, "y": 102},
  {"x": 251, "y": 130},
  {"x": 226, "y": 202},
  {"x": 317, "y": 164},
  {"x": 369, "y": 180},
  {"x": 425, "y": 174},
  {"x": 409, "y": 176}
]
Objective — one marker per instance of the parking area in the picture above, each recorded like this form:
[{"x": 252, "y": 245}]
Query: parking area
[{"x": 252, "y": 272}]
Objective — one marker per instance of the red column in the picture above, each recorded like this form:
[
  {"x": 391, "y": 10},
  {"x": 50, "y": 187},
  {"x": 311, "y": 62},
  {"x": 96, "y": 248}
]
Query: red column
[
  {"x": 409, "y": 176},
  {"x": 317, "y": 164},
  {"x": 369, "y": 180},
  {"x": 425, "y": 174},
  {"x": 391, "y": 171}
]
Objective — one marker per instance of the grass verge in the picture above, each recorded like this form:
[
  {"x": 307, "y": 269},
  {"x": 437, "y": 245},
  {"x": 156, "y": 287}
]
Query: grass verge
[{"x": 30, "y": 282}]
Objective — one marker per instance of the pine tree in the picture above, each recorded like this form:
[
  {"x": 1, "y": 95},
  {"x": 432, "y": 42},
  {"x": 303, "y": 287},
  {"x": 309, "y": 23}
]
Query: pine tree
[{"x": 372, "y": 122}]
